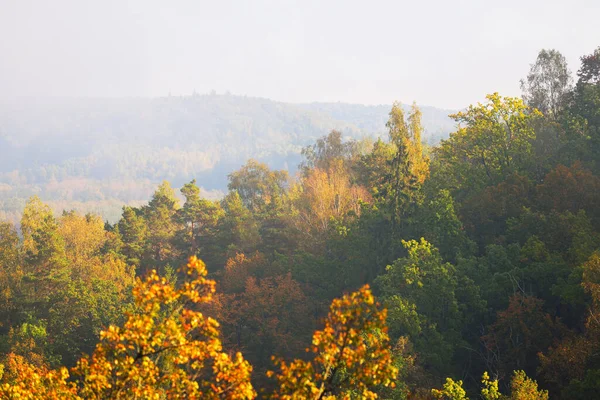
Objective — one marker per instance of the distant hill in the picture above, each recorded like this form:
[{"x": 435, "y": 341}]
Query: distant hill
[{"x": 97, "y": 154}]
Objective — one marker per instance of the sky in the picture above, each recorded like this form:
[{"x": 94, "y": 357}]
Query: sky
[{"x": 443, "y": 53}]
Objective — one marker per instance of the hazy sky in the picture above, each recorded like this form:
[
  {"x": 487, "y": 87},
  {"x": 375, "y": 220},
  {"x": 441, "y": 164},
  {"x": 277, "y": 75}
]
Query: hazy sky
[{"x": 443, "y": 53}]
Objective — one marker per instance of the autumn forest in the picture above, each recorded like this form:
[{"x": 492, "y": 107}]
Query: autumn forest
[{"x": 387, "y": 268}]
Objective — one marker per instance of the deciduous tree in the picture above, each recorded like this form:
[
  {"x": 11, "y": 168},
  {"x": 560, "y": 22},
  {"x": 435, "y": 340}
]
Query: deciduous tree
[{"x": 351, "y": 355}]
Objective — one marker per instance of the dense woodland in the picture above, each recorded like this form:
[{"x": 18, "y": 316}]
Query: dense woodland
[{"x": 386, "y": 269}]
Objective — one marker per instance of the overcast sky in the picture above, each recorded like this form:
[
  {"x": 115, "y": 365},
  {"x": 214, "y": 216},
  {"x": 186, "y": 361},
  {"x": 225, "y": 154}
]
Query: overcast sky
[{"x": 442, "y": 53}]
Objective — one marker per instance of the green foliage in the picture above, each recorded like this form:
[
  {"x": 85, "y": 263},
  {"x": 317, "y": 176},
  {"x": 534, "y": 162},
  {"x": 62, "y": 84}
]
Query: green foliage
[
  {"x": 408, "y": 166},
  {"x": 439, "y": 223},
  {"x": 493, "y": 141},
  {"x": 257, "y": 185},
  {"x": 328, "y": 149},
  {"x": 420, "y": 292},
  {"x": 504, "y": 275},
  {"x": 132, "y": 232},
  {"x": 238, "y": 229},
  {"x": 199, "y": 219}
]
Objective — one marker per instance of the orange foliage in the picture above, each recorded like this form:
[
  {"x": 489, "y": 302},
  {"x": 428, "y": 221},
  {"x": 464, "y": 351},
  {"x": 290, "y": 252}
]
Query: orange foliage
[
  {"x": 263, "y": 310},
  {"x": 271, "y": 316},
  {"x": 166, "y": 349},
  {"x": 21, "y": 380},
  {"x": 326, "y": 195},
  {"x": 352, "y": 354},
  {"x": 519, "y": 333},
  {"x": 238, "y": 269}
]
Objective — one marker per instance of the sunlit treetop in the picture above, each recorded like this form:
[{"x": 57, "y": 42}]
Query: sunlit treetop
[{"x": 352, "y": 354}]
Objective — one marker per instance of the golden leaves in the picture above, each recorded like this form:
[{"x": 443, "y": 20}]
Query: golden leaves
[
  {"x": 167, "y": 348},
  {"x": 351, "y": 353},
  {"x": 21, "y": 380}
]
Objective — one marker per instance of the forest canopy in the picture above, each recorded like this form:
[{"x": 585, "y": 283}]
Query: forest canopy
[{"x": 386, "y": 268}]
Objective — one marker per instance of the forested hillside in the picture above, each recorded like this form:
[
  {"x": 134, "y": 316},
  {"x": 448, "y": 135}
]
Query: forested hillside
[
  {"x": 385, "y": 269},
  {"x": 98, "y": 154}
]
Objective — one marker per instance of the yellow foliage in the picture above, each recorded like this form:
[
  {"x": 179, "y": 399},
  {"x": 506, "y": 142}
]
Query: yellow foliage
[
  {"x": 326, "y": 195},
  {"x": 83, "y": 236},
  {"x": 352, "y": 354},
  {"x": 24, "y": 381},
  {"x": 166, "y": 349}
]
